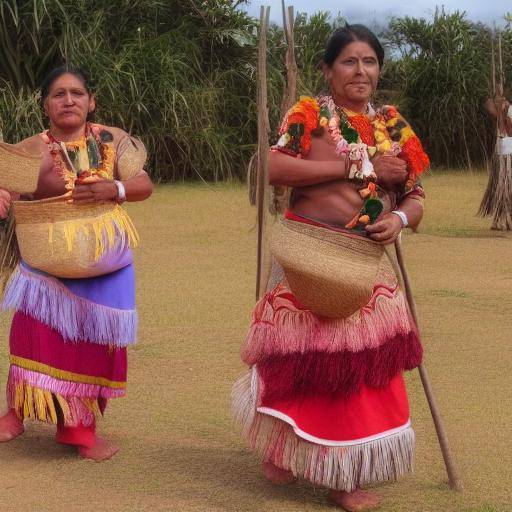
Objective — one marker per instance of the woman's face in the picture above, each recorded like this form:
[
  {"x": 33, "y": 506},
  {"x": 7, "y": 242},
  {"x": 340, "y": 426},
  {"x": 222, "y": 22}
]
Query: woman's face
[
  {"x": 68, "y": 102},
  {"x": 354, "y": 74}
]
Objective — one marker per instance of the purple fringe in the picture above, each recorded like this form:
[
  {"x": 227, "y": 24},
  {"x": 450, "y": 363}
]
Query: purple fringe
[
  {"x": 75, "y": 318},
  {"x": 62, "y": 387}
]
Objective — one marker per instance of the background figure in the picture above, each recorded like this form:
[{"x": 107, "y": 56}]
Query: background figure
[
  {"x": 73, "y": 319},
  {"x": 497, "y": 200}
]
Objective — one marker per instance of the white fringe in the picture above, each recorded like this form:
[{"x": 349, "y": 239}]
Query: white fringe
[
  {"x": 341, "y": 468},
  {"x": 75, "y": 318}
]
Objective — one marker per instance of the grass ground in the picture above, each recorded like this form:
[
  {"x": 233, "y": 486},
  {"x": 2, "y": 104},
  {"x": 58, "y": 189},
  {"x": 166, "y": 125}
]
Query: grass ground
[{"x": 196, "y": 271}]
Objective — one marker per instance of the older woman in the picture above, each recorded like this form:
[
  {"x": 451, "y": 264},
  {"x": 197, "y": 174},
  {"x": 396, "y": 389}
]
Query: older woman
[
  {"x": 69, "y": 335},
  {"x": 325, "y": 399}
]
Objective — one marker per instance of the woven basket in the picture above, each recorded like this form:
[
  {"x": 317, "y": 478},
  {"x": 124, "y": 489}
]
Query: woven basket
[
  {"x": 73, "y": 240},
  {"x": 19, "y": 171},
  {"x": 332, "y": 274}
]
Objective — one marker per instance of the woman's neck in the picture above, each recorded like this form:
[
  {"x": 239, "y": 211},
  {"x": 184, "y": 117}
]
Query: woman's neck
[
  {"x": 67, "y": 135},
  {"x": 358, "y": 107}
]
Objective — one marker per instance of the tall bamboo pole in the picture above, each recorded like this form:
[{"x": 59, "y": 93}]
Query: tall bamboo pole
[
  {"x": 263, "y": 150},
  {"x": 449, "y": 461}
]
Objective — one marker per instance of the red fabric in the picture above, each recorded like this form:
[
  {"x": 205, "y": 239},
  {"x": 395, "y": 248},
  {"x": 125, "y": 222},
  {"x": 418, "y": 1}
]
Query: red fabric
[
  {"x": 33, "y": 340},
  {"x": 368, "y": 413},
  {"x": 76, "y": 436}
]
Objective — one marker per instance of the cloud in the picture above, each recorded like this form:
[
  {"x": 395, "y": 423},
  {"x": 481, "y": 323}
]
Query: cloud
[{"x": 376, "y": 13}]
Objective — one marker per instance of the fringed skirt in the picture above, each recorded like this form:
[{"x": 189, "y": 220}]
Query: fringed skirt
[
  {"x": 68, "y": 344},
  {"x": 325, "y": 398}
]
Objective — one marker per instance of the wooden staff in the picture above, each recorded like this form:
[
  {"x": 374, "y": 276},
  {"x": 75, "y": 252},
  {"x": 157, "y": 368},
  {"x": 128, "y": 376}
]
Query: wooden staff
[
  {"x": 263, "y": 150},
  {"x": 451, "y": 468}
]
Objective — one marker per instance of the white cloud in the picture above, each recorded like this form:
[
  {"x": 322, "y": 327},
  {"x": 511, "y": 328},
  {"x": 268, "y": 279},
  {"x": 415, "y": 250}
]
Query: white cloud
[{"x": 487, "y": 12}]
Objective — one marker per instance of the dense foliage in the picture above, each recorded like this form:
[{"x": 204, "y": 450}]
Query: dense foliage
[{"x": 182, "y": 74}]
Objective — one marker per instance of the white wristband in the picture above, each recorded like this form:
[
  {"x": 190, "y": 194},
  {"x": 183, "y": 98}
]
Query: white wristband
[
  {"x": 121, "y": 192},
  {"x": 509, "y": 112},
  {"x": 403, "y": 217}
]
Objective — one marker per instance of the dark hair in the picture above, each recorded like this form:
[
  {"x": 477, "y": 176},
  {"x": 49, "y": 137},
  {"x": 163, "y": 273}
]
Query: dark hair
[
  {"x": 63, "y": 70},
  {"x": 56, "y": 73},
  {"x": 342, "y": 37}
]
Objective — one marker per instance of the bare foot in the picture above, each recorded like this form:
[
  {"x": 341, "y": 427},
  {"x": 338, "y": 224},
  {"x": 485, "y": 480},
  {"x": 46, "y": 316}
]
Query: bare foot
[
  {"x": 101, "y": 450},
  {"x": 277, "y": 475},
  {"x": 355, "y": 501},
  {"x": 10, "y": 426}
]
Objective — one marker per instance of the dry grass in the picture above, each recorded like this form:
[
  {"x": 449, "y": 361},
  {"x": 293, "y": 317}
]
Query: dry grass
[{"x": 195, "y": 284}]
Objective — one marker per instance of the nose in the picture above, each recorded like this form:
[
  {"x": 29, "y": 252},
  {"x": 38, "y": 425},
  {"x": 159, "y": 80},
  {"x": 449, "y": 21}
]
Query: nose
[
  {"x": 359, "y": 67},
  {"x": 69, "y": 98}
]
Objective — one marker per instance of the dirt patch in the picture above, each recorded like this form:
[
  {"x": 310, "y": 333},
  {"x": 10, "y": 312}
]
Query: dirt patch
[{"x": 196, "y": 276}]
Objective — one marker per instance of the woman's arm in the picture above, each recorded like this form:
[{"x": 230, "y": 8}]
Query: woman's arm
[
  {"x": 388, "y": 227},
  {"x": 289, "y": 171},
  {"x": 137, "y": 188}
]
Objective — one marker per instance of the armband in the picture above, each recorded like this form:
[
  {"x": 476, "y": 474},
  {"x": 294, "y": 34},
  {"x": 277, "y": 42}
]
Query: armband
[
  {"x": 403, "y": 217},
  {"x": 121, "y": 192}
]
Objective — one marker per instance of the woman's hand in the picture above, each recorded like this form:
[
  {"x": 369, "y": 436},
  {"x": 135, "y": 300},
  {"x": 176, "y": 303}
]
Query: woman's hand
[
  {"x": 101, "y": 191},
  {"x": 5, "y": 203},
  {"x": 390, "y": 170},
  {"x": 386, "y": 229}
]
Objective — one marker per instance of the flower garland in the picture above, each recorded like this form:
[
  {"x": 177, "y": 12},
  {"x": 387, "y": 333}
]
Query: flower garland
[
  {"x": 86, "y": 160},
  {"x": 360, "y": 137}
]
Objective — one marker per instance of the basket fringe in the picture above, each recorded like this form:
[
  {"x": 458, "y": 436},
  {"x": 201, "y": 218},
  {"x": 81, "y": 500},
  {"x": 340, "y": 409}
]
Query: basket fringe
[
  {"x": 341, "y": 468},
  {"x": 106, "y": 228},
  {"x": 75, "y": 318}
]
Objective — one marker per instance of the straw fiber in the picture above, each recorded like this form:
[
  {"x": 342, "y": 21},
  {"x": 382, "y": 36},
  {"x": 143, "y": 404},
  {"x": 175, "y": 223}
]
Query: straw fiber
[
  {"x": 19, "y": 171},
  {"x": 330, "y": 273},
  {"x": 67, "y": 239},
  {"x": 132, "y": 156}
]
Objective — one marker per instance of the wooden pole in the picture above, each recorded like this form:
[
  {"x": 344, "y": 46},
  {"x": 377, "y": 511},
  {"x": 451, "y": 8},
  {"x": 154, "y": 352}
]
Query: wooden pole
[
  {"x": 281, "y": 193},
  {"x": 290, "y": 92},
  {"x": 263, "y": 150},
  {"x": 451, "y": 468}
]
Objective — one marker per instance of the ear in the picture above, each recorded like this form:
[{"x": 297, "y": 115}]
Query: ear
[
  {"x": 92, "y": 104},
  {"x": 327, "y": 71}
]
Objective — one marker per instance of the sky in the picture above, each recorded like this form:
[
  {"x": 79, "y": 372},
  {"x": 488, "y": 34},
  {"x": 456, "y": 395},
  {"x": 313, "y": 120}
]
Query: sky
[{"x": 372, "y": 12}]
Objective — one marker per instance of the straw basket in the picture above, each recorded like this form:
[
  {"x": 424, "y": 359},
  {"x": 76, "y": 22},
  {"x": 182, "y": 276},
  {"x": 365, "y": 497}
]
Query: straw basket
[
  {"x": 331, "y": 273},
  {"x": 73, "y": 240},
  {"x": 19, "y": 171}
]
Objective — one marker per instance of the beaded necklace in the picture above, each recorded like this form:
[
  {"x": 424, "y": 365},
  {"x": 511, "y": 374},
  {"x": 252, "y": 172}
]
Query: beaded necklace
[{"x": 86, "y": 160}]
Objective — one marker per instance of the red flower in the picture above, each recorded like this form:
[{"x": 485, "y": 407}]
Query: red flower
[
  {"x": 364, "y": 127},
  {"x": 416, "y": 158}
]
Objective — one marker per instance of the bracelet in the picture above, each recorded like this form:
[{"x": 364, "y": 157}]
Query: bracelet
[
  {"x": 403, "y": 217},
  {"x": 121, "y": 192},
  {"x": 509, "y": 112}
]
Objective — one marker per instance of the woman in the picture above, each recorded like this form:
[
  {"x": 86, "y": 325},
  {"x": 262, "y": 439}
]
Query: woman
[
  {"x": 325, "y": 398},
  {"x": 69, "y": 336}
]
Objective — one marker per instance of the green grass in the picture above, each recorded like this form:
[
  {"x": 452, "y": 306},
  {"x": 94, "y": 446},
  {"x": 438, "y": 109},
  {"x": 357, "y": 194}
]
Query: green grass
[{"x": 196, "y": 275}]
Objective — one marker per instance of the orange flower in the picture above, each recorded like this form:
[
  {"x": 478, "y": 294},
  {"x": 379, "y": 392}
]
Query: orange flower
[
  {"x": 364, "y": 127},
  {"x": 416, "y": 158}
]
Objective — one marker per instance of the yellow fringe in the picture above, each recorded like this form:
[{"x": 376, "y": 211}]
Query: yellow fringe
[
  {"x": 98, "y": 227},
  {"x": 38, "y": 404}
]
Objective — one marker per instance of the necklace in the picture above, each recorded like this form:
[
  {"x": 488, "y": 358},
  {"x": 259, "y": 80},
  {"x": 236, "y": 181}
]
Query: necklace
[{"x": 85, "y": 160}]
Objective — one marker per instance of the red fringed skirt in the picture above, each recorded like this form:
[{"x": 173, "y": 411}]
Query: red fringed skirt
[{"x": 325, "y": 398}]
